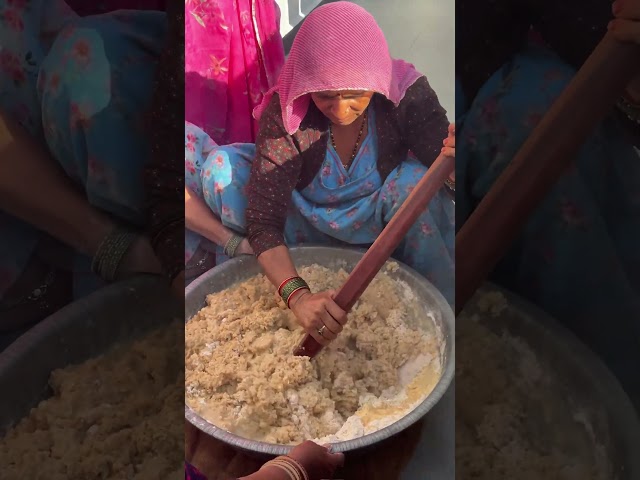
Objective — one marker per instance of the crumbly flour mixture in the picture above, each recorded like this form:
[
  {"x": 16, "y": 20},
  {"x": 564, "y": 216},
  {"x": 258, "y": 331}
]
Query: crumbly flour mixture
[
  {"x": 241, "y": 374},
  {"x": 513, "y": 420},
  {"x": 117, "y": 416}
]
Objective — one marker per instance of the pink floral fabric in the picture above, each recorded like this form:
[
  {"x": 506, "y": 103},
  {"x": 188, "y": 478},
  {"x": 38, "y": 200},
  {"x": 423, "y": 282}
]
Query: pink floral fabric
[{"x": 233, "y": 55}]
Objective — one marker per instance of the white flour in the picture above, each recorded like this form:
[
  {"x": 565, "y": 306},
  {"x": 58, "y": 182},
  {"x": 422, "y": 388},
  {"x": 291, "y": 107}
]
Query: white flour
[{"x": 241, "y": 375}]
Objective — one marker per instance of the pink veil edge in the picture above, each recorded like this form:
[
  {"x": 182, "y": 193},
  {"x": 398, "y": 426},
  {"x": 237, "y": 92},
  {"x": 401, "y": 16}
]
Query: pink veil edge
[{"x": 403, "y": 76}]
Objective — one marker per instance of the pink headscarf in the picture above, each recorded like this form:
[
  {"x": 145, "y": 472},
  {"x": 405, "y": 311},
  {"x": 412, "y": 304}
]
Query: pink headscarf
[{"x": 338, "y": 47}]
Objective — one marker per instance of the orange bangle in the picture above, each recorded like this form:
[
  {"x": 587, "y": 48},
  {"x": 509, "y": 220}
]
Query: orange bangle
[{"x": 292, "y": 293}]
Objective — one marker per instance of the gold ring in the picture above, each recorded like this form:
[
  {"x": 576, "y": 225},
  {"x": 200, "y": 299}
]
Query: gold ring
[{"x": 321, "y": 329}]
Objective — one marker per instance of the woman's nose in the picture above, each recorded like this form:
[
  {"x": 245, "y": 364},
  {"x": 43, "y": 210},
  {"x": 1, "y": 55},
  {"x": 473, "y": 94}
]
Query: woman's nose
[{"x": 340, "y": 109}]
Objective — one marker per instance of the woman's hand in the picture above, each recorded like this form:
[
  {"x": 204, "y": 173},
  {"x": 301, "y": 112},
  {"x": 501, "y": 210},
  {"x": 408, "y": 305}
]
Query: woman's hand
[
  {"x": 449, "y": 143},
  {"x": 626, "y": 28},
  {"x": 140, "y": 258},
  {"x": 449, "y": 148},
  {"x": 317, "y": 460},
  {"x": 317, "y": 312},
  {"x": 244, "y": 248}
]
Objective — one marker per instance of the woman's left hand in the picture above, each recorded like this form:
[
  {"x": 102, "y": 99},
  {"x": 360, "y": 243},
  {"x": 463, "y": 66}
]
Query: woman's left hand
[
  {"x": 449, "y": 143},
  {"x": 626, "y": 27}
]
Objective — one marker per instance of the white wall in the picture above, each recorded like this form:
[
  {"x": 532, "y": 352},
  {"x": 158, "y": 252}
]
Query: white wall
[{"x": 293, "y": 11}]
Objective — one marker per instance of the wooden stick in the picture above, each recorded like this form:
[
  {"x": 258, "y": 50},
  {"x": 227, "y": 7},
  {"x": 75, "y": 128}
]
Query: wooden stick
[
  {"x": 548, "y": 152},
  {"x": 392, "y": 235}
]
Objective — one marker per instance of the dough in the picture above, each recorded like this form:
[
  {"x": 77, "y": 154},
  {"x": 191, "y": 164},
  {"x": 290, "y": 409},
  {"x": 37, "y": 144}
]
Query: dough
[
  {"x": 241, "y": 374},
  {"x": 513, "y": 419},
  {"x": 118, "y": 416}
]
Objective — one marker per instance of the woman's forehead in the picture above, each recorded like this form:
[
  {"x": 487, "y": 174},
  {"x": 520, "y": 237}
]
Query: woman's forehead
[{"x": 352, "y": 93}]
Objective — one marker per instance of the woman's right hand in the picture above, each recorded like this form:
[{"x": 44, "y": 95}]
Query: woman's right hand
[
  {"x": 317, "y": 460},
  {"x": 316, "y": 311},
  {"x": 626, "y": 27}
]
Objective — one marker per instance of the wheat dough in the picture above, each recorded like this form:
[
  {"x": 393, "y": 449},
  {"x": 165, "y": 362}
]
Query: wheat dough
[
  {"x": 117, "y": 416},
  {"x": 512, "y": 419},
  {"x": 241, "y": 374}
]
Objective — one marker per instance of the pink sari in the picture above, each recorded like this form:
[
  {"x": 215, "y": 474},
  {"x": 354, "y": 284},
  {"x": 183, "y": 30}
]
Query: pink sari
[{"x": 233, "y": 56}]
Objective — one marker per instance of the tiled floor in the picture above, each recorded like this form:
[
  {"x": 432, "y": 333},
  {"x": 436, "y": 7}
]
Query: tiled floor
[{"x": 421, "y": 32}]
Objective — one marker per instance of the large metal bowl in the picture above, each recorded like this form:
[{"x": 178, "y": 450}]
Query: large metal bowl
[
  {"x": 585, "y": 381},
  {"x": 239, "y": 269},
  {"x": 82, "y": 330}
]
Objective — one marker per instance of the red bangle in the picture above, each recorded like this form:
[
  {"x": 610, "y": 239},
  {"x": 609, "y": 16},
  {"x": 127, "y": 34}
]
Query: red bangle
[
  {"x": 292, "y": 293},
  {"x": 284, "y": 283}
]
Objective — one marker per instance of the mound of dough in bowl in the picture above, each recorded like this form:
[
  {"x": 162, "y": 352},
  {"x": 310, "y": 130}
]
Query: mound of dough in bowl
[
  {"x": 515, "y": 415},
  {"x": 115, "y": 416},
  {"x": 241, "y": 375}
]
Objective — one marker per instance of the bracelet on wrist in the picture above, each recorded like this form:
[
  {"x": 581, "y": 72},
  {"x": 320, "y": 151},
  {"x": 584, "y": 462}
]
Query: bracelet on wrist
[
  {"x": 291, "y": 286},
  {"x": 298, "y": 299},
  {"x": 231, "y": 247},
  {"x": 289, "y": 306},
  {"x": 292, "y": 468},
  {"x": 284, "y": 282},
  {"x": 450, "y": 184}
]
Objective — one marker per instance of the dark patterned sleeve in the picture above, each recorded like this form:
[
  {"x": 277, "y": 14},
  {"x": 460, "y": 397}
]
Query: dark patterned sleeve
[
  {"x": 573, "y": 29},
  {"x": 488, "y": 34},
  {"x": 423, "y": 121},
  {"x": 274, "y": 175},
  {"x": 164, "y": 176}
]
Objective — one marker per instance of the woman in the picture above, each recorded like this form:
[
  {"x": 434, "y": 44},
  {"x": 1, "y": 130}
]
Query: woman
[
  {"x": 344, "y": 136},
  {"x": 577, "y": 257},
  {"x": 315, "y": 461},
  {"x": 233, "y": 55},
  {"x": 75, "y": 95}
]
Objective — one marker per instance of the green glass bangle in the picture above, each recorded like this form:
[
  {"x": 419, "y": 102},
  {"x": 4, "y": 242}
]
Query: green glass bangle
[{"x": 291, "y": 286}]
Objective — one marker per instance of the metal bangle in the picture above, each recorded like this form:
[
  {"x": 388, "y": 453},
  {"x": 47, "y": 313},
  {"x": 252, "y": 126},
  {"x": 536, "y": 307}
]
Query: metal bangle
[
  {"x": 450, "y": 184},
  {"x": 232, "y": 245},
  {"x": 110, "y": 253}
]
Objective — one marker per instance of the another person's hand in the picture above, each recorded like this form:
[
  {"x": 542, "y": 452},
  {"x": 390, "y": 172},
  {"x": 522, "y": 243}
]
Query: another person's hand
[
  {"x": 319, "y": 315},
  {"x": 317, "y": 460},
  {"x": 140, "y": 258},
  {"x": 244, "y": 248},
  {"x": 449, "y": 148},
  {"x": 626, "y": 28}
]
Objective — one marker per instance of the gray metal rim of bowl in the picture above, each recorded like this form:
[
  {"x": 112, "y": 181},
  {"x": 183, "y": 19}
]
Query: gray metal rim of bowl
[
  {"x": 79, "y": 331},
  {"x": 623, "y": 418},
  {"x": 307, "y": 255}
]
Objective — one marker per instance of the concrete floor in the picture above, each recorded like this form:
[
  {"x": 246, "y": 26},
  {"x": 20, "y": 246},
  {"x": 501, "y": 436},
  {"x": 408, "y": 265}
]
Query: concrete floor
[{"x": 420, "y": 32}]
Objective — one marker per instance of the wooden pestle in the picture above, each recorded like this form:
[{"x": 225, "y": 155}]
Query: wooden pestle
[
  {"x": 501, "y": 215},
  {"x": 390, "y": 238}
]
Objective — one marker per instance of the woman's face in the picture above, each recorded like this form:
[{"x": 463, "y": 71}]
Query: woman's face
[{"x": 342, "y": 107}]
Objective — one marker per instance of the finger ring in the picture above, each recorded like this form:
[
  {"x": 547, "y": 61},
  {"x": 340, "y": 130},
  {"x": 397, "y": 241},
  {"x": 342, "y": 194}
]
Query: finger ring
[{"x": 321, "y": 330}]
